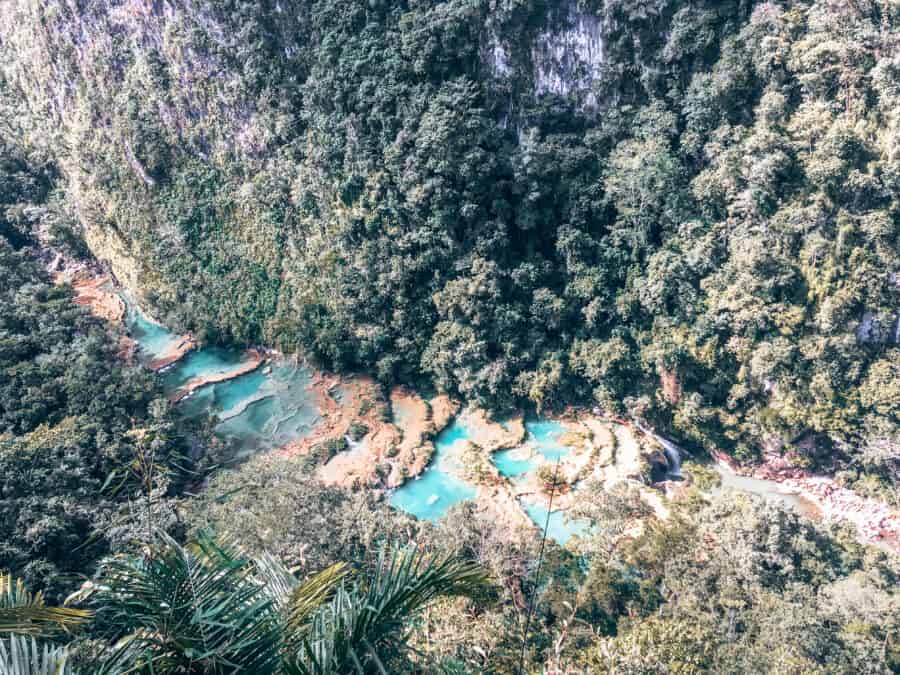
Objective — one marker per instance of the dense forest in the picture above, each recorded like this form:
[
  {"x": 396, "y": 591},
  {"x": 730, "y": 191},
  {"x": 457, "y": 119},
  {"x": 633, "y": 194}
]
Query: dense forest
[
  {"x": 683, "y": 213},
  {"x": 88, "y": 446},
  {"x": 697, "y": 227}
]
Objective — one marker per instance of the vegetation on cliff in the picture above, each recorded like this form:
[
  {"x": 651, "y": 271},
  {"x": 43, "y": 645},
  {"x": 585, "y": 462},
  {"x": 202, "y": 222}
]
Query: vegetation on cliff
[
  {"x": 82, "y": 435},
  {"x": 699, "y": 230},
  {"x": 713, "y": 246}
]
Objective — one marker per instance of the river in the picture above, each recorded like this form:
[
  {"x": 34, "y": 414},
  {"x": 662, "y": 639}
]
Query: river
[{"x": 273, "y": 406}]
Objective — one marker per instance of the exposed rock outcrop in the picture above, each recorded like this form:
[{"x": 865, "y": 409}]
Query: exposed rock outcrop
[
  {"x": 398, "y": 442},
  {"x": 568, "y": 56},
  {"x": 175, "y": 353},
  {"x": 875, "y": 521},
  {"x": 96, "y": 292},
  {"x": 565, "y": 56}
]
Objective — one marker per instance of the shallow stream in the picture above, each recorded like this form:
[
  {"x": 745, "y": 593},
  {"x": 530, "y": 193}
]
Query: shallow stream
[{"x": 768, "y": 489}]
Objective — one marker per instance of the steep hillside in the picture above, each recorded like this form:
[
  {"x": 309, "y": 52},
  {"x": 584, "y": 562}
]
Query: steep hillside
[{"x": 683, "y": 211}]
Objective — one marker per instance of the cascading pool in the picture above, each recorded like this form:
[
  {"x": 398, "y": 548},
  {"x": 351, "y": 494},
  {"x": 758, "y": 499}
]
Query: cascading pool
[
  {"x": 514, "y": 463},
  {"x": 260, "y": 410},
  {"x": 559, "y": 528},
  {"x": 544, "y": 435},
  {"x": 199, "y": 363},
  {"x": 153, "y": 339},
  {"x": 542, "y": 438},
  {"x": 226, "y": 399},
  {"x": 280, "y": 410},
  {"x": 436, "y": 490},
  {"x": 265, "y": 409}
]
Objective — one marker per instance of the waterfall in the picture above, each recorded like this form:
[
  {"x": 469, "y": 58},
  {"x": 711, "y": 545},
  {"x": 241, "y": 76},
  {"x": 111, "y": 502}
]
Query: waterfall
[
  {"x": 673, "y": 458},
  {"x": 673, "y": 452}
]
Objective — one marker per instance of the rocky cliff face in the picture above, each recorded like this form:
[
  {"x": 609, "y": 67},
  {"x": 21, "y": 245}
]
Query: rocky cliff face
[
  {"x": 568, "y": 56},
  {"x": 201, "y": 141},
  {"x": 563, "y": 56},
  {"x": 883, "y": 328}
]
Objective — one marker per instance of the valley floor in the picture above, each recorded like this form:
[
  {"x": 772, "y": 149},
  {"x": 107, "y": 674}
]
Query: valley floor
[{"x": 427, "y": 453}]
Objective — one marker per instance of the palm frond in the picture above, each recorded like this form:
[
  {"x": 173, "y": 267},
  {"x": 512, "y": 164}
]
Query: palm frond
[
  {"x": 27, "y": 613},
  {"x": 297, "y": 600},
  {"x": 308, "y": 596},
  {"x": 276, "y": 580},
  {"x": 20, "y": 655},
  {"x": 361, "y": 630},
  {"x": 191, "y": 608}
]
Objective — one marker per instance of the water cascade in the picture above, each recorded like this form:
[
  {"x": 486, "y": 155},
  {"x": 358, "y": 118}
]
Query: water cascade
[
  {"x": 673, "y": 452},
  {"x": 265, "y": 409},
  {"x": 257, "y": 410},
  {"x": 673, "y": 459}
]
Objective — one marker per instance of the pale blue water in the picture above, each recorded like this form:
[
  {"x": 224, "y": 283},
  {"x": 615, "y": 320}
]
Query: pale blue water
[
  {"x": 153, "y": 339},
  {"x": 260, "y": 411},
  {"x": 450, "y": 436},
  {"x": 417, "y": 496},
  {"x": 544, "y": 435},
  {"x": 267, "y": 411},
  {"x": 560, "y": 528},
  {"x": 437, "y": 489},
  {"x": 256, "y": 411},
  {"x": 230, "y": 395},
  {"x": 767, "y": 489},
  {"x": 512, "y": 466},
  {"x": 226, "y": 399},
  {"x": 206, "y": 361}
]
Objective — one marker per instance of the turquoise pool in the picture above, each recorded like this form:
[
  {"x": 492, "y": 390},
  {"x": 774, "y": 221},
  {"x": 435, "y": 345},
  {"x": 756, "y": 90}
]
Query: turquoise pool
[
  {"x": 545, "y": 435},
  {"x": 511, "y": 464},
  {"x": 436, "y": 490},
  {"x": 154, "y": 340},
  {"x": 206, "y": 361},
  {"x": 560, "y": 528},
  {"x": 256, "y": 411}
]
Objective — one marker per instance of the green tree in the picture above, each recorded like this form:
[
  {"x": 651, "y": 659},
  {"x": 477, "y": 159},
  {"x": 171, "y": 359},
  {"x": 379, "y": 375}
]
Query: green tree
[{"x": 205, "y": 608}]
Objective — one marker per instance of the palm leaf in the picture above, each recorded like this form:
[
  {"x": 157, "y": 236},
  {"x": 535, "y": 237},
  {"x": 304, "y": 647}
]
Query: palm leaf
[
  {"x": 297, "y": 601},
  {"x": 195, "y": 608},
  {"x": 309, "y": 596},
  {"x": 27, "y": 613},
  {"x": 362, "y": 630},
  {"x": 23, "y": 656}
]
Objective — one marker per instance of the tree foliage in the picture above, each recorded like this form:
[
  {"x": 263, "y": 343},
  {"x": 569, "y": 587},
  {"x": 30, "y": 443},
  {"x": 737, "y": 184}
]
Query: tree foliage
[
  {"x": 73, "y": 418},
  {"x": 378, "y": 194},
  {"x": 206, "y": 608}
]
